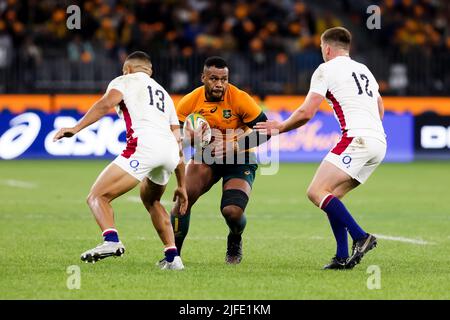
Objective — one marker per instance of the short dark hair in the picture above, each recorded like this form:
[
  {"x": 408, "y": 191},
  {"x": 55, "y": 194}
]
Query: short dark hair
[
  {"x": 139, "y": 55},
  {"x": 338, "y": 36},
  {"x": 216, "y": 61}
]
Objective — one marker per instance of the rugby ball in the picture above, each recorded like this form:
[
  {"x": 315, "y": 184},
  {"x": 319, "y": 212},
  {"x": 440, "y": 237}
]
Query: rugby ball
[{"x": 195, "y": 121}]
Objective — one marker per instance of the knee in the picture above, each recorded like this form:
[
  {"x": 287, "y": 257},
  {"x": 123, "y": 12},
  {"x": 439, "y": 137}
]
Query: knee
[
  {"x": 94, "y": 198},
  {"x": 233, "y": 204},
  {"x": 313, "y": 195},
  {"x": 151, "y": 205},
  {"x": 232, "y": 212},
  {"x": 150, "y": 200}
]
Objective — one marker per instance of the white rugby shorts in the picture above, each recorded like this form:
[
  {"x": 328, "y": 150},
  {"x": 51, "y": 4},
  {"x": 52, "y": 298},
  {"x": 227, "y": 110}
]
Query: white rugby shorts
[
  {"x": 155, "y": 161},
  {"x": 358, "y": 156}
]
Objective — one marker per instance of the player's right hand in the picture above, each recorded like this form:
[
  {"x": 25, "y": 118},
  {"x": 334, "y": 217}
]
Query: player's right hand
[
  {"x": 180, "y": 195},
  {"x": 269, "y": 127},
  {"x": 192, "y": 136},
  {"x": 64, "y": 133}
]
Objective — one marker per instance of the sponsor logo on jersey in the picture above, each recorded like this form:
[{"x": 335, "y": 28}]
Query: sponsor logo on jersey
[
  {"x": 227, "y": 113},
  {"x": 134, "y": 164},
  {"x": 347, "y": 159}
]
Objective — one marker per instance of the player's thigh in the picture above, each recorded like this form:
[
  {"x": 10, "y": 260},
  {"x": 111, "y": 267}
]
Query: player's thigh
[
  {"x": 340, "y": 173},
  {"x": 377, "y": 151},
  {"x": 150, "y": 191},
  {"x": 161, "y": 169},
  {"x": 112, "y": 182},
  {"x": 239, "y": 176},
  {"x": 199, "y": 180},
  {"x": 359, "y": 158},
  {"x": 238, "y": 184},
  {"x": 326, "y": 179}
]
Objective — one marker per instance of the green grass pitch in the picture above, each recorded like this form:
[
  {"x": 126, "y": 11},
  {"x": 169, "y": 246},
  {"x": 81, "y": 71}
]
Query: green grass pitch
[{"x": 45, "y": 224}]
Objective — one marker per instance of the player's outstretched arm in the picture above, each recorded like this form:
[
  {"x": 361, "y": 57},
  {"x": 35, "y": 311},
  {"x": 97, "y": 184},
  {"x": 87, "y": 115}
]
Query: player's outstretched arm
[
  {"x": 180, "y": 193},
  {"x": 254, "y": 138},
  {"x": 97, "y": 111},
  {"x": 297, "y": 119}
]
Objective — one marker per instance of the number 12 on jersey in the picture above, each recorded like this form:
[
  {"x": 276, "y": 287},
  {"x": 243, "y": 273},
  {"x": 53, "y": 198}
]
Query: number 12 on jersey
[
  {"x": 159, "y": 104},
  {"x": 363, "y": 77}
]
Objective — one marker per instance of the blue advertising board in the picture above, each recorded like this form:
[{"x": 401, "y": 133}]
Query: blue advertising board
[
  {"x": 312, "y": 142},
  {"x": 29, "y": 136}
]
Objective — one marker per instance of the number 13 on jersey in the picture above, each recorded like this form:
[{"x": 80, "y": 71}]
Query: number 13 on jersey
[{"x": 159, "y": 104}]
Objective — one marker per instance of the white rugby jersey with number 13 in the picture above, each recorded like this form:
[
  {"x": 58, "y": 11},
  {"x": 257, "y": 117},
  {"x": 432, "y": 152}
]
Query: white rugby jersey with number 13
[{"x": 147, "y": 109}]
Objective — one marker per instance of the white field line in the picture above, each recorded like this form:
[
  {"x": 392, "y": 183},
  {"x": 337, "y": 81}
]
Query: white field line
[
  {"x": 18, "y": 184},
  {"x": 134, "y": 199},
  {"x": 403, "y": 239},
  {"x": 299, "y": 238}
]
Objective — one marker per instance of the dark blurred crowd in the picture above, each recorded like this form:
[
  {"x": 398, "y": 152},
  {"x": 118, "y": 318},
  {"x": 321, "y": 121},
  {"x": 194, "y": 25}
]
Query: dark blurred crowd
[{"x": 271, "y": 43}]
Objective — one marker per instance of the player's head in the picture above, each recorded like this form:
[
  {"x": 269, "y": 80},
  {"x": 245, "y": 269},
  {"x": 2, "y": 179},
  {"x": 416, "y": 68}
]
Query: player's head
[
  {"x": 335, "y": 42},
  {"x": 215, "y": 78},
  {"x": 137, "y": 61}
]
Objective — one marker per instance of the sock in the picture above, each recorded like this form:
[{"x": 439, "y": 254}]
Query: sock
[
  {"x": 180, "y": 225},
  {"x": 340, "y": 234},
  {"x": 110, "y": 235},
  {"x": 170, "y": 253},
  {"x": 337, "y": 211},
  {"x": 237, "y": 226}
]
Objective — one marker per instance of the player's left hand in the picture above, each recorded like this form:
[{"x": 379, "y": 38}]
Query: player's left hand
[
  {"x": 269, "y": 127},
  {"x": 181, "y": 196},
  {"x": 64, "y": 133}
]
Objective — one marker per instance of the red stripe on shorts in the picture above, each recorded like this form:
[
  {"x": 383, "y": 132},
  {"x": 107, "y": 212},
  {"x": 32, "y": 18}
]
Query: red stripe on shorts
[{"x": 342, "y": 145}]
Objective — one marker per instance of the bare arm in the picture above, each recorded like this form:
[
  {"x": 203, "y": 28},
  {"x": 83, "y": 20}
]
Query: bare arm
[
  {"x": 179, "y": 171},
  {"x": 297, "y": 119},
  {"x": 380, "y": 107},
  {"x": 97, "y": 111},
  {"x": 304, "y": 113},
  {"x": 180, "y": 193}
]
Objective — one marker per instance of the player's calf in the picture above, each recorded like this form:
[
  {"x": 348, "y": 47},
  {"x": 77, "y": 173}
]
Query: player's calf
[{"x": 233, "y": 204}]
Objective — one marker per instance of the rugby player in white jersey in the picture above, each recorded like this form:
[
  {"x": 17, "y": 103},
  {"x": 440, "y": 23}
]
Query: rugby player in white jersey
[
  {"x": 352, "y": 92},
  {"x": 152, "y": 153}
]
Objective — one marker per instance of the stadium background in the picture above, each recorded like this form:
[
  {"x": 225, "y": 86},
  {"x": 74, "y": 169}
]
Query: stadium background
[
  {"x": 272, "y": 48},
  {"x": 50, "y": 76}
]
